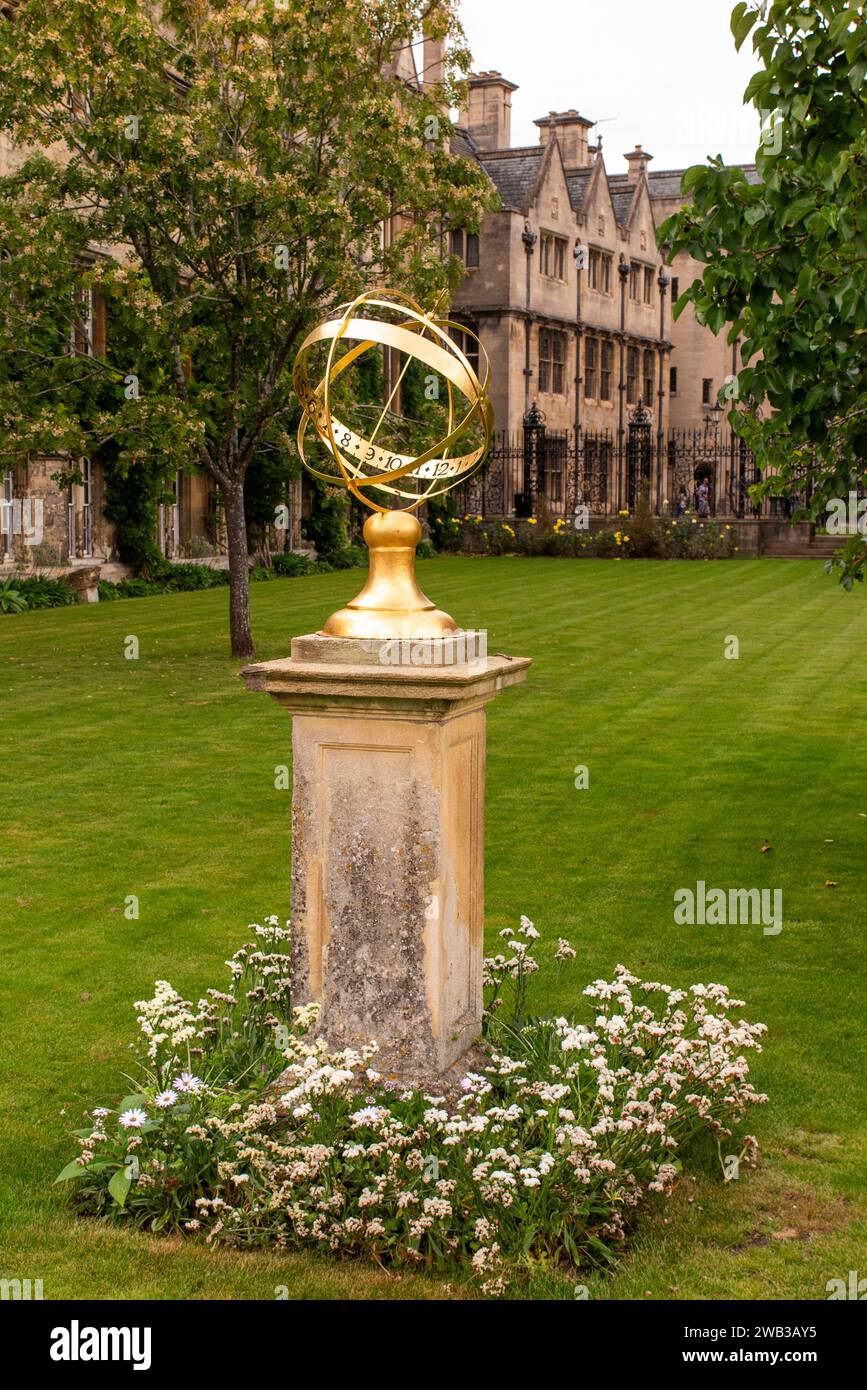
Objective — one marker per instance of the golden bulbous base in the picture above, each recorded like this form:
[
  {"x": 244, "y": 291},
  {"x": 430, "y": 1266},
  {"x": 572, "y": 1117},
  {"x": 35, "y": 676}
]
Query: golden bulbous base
[{"x": 391, "y": 604}]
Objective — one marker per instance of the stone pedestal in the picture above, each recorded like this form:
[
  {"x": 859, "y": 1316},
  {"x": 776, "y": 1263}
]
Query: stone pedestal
[
  {"x": 388, "y": 843},
  {"x": 84, "y": 580}
]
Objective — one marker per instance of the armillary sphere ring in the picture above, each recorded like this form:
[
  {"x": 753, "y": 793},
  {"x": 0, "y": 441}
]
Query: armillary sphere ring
[{"x": 361, "y": 462}]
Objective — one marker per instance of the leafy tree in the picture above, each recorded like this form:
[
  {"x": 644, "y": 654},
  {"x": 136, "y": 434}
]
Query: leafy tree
[
  {"x": 787, "y": 256},
  {"x": 222, "y": 172}
]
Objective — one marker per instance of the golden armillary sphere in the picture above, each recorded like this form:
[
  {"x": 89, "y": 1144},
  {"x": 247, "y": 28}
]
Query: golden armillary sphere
[{"x": 391, "y": 604}]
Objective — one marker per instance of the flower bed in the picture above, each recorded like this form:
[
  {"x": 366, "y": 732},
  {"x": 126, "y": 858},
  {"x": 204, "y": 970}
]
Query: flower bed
[
  {"x": 550, "y": 1147},
  {"x": 666, "y": 538}
]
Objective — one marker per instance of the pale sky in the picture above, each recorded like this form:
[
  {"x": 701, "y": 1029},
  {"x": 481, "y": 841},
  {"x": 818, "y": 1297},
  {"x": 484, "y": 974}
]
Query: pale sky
[{"x": 666, "y": 71}]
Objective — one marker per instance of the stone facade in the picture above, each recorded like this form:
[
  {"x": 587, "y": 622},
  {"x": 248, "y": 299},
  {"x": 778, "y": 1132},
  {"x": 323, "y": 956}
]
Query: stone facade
[
  {"x": 72, "y": 529},
  {"x": 700, "y": 360},
  {"x": 565, "y": 285},
  {"x": 49, "y": 526}
]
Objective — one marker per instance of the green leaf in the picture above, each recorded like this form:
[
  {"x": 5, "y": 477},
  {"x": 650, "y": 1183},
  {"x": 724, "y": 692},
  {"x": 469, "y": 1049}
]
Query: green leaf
[
  {"x": 529, "y": 1237},
  {"x": 839, "y": 26},
  {"x": 738, "y": 13},
  {"x": 805, "y": 281},
  {"x": 798, "y": 210},
  {"x": 758, "y": 85},
  {"x": 601, "y": 1249},
  {"x": 132, "y": 1103},
  {"x": 742, "y": 21},
  {"x": 856, "y": 77},
  {"x": 119, "y": 1186},
  {"x": 692, "y": 176},
  {"x": 72, "y": 1170}
]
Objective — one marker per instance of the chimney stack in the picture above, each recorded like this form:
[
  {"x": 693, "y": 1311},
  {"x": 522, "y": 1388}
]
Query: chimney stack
[
  {"x": 433, "y": 62},
  {"x": 637, "y": 161},
  {"x": 571, "y": 130},
  {"x": 488, "y": 112}
]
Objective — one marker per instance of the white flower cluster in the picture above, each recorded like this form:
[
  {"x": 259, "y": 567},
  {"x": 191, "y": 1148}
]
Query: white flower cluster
[
  {"x": 175, "y": 1031},
  {"x": 546, "y": 1152},
  {"x": 586, "y": 1120}
]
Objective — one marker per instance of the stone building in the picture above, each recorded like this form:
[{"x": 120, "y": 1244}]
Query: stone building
[
  {"x": 570, "y": 297},
  {"x": 700, "y": 360},
  {"x": 563, "y": 282},
  {"x": 572, "y": 301},
  {"x": 47, "y": 526}
]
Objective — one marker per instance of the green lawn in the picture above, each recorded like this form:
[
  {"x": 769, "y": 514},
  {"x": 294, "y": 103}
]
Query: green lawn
[{"x": 156, "y": 778}]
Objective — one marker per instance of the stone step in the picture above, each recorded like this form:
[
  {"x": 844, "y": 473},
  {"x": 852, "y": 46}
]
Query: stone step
[{"x": 822, "y": 548}]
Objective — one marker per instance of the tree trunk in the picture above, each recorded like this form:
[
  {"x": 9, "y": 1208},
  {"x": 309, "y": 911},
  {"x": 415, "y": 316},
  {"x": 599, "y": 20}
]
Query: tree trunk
[{"x": 239, "y": 579}]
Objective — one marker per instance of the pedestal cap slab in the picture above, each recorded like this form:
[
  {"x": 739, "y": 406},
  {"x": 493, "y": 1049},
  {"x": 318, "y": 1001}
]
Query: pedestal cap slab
[{"x": 336, "y": 673}]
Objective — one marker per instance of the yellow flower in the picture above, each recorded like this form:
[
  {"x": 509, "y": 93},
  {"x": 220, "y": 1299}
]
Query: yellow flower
[
  {"x": 624, "y": 511},
  {"x": 531, "y": 521},
  {"x": 626, "y": 538}
]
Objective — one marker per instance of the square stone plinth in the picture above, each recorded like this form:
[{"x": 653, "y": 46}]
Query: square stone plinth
[{"x": 388, "y": 843}]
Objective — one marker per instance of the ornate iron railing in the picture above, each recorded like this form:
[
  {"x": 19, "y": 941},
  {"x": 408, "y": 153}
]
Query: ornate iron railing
[{"x": 537, "y": 471}]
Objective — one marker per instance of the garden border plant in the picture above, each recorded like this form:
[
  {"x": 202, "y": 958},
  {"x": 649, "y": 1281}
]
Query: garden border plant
[
  {"x": 19, "y": 593},
  {"x": 685, "y": 537},
  {"x": 243, "y": 1128}
]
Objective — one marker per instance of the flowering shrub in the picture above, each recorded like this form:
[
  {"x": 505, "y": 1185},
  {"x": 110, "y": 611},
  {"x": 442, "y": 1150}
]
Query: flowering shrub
[
  {"x": 684, "y": 538},
  {"x": 151, "y": 1156},
  {"x": 552, "y": 1143},
  {"x": 688, "y": 538},
  {"x": 473, "y": 535}
]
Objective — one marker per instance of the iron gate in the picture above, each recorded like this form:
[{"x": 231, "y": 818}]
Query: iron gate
[{"x": 538, "y": 471}]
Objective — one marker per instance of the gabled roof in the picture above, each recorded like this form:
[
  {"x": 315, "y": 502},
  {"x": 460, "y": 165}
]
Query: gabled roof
[
  {"x": 585, "y": 184},
  {"x": 623, "y": 197},
  {"x": 593, "y": 185},
  {"x": 665, "y": 183},
  {"x": 515, "y": 173},
  {"x": 462, "y": 143},
  {"x": 578, "y": 181},
  {"x": 626, "y": 195},
  {"x": 518, "y": 174},
  {"x": 404, "y": 65}
]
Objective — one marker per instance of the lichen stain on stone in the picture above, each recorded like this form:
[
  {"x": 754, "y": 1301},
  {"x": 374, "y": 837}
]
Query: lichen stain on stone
[{"x": 376, "y": 913}]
